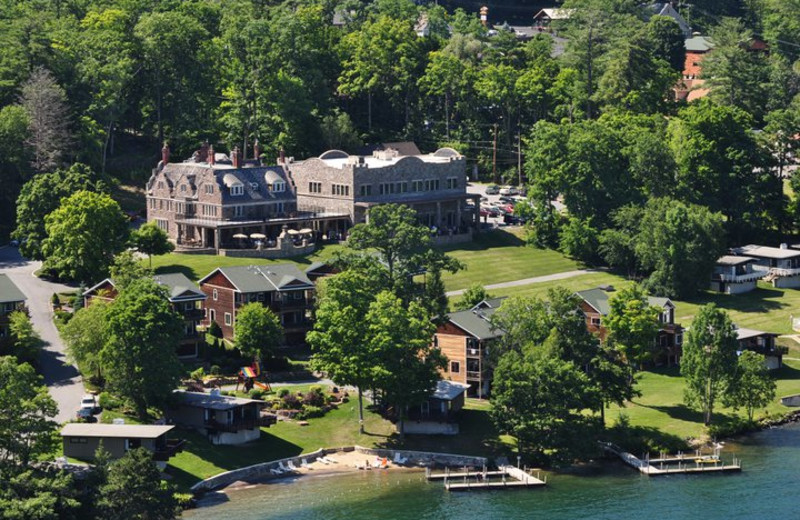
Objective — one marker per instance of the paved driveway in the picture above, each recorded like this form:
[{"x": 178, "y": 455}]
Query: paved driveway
[{"x": 62, "y": 379}]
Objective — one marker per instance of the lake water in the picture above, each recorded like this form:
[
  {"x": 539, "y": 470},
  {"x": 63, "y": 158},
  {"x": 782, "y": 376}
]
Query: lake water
[{"x": 766, "y": 489}]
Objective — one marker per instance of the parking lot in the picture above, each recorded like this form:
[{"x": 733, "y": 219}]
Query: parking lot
[{"x": 490, "y": 200}]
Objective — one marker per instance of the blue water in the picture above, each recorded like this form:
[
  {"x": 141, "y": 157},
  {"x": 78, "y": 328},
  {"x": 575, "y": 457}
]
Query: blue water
[{"x": 767, "y": 489}]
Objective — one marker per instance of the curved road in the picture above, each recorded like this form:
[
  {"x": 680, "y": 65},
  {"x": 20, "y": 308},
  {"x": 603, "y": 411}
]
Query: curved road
[
  {"x": 527, "y": 281},
  {"x": 61, "y": 378}
]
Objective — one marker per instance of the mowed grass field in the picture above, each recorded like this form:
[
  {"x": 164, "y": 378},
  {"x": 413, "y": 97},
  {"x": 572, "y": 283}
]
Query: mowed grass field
[{"x": 493, "y": 257}]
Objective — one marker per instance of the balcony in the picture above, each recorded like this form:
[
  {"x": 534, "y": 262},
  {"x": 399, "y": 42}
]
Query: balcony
[
  {"x": 236, "y": 426},
  {"x": 290, "y": 303},
  {"x": 170, "y": 449},
  {"x": 474, "y": 376},
  {"x": 740, "y": 278},
  {"x": 194, "y": 314}
]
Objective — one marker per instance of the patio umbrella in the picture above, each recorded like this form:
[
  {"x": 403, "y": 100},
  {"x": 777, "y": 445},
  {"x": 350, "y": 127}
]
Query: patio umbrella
[
  {"x": 258, "y": 236},
  {"x": 239, "y": 235},
  {"x": 306, "y": 230},
  {"x": 293, "y": 232}
]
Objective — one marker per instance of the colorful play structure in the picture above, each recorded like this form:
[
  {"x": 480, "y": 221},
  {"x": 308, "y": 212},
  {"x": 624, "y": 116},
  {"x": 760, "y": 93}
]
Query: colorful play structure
[{"x": 248, "y": 376}]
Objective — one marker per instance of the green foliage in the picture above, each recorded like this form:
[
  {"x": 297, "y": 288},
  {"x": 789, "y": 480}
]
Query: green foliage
[
  {"x": 134, "y": 490},
  {"x": 709, "y": 359},
  {"x": 127, "y": 269},
  {"x": 151, "y": 240},
  {"x": 753, "y": 387},
  {"x": 215, "y": 330},
  {"x": 578, "y": 240},
  {"x": 41, "y": 196},
  {"x": 85, "y": 336},
  {"x": 83, "y": 235},
  {"x": 632, "y": 323},
  {"x": 40, "y": 493},
  {"x": 198, "y": 374},
  {"x": 27, "y": 430},
  {"x": 107, "y": 401},
  {"x": 473, "y": 295},
  {"x": 258, "y": 330},
  {"x": 24, "y": 339},
  {"x": 139, "y": 359},
  {"x": 680, "y": 244}
]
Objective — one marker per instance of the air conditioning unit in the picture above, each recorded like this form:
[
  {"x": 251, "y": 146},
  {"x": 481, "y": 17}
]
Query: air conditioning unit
[{"x": 472, "y": 351}]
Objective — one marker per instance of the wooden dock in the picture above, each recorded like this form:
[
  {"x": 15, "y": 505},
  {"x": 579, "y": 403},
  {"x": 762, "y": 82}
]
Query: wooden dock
[
  {"x": 674, "y": 465},
  {"x": 509, "y": 477}
]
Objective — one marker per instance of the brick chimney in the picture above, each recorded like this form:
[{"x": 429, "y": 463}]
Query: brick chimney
[
  {"x": 211, "y": 157},
  {"x": 236, "y": 157},
  {"x": 203, "y": 155},
  {"x": 257, "y": 151},
  {"x": 165, "y": 153},
  {"x": 282, "y": 157}
]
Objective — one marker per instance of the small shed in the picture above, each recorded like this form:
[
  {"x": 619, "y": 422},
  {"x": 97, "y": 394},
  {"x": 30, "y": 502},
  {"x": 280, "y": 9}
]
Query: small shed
[{"x": 81, "y": 440}]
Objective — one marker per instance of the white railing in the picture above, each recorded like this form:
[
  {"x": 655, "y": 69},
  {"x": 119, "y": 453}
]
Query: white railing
[
  {"x": 741, "y": 278},
  {"x": 765, "y": 270}
]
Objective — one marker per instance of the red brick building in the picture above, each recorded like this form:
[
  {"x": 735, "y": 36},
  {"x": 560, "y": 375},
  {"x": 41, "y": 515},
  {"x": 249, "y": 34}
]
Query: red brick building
[{"x": 283, "y": 288}]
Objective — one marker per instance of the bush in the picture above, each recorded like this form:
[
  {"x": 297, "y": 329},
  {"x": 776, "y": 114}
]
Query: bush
[
  {"x": 310, "y": 412},
  {"x": 62, "y": 316},
  {"x": 314, "y": 397},
  {"x": 55, "y": 300},
  {"x": 256, "y": 393},
  {"x": 107, "y": 401},
  {"x": 283, "y": 392},
  {"x": 215, "y": 370},
  {"x": 290, "y": 402},
  {"x": 198, "y": 374},
  {"x": 184, "y": 500}
]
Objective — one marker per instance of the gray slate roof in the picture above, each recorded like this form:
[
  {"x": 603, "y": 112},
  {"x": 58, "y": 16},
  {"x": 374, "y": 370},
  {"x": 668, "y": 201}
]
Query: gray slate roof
[
  {"x": 475, "y": 322},
  {"x": 179, "y": 286},
  {"x": 249, "y": 176},
  {"x": 9, "y": 292},
  {"x": 128, "y": 431},
  {"x": 698, "y": 44},
  {"x": 265, "y": 278},
  {"x": 213, "y": 402},
  {"x": 598, "y": 299}
]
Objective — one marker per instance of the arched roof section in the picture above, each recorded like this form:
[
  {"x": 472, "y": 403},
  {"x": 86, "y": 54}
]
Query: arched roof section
[
  {"x": 334, "y": 154},
  {"x": 446, "y": 152}
]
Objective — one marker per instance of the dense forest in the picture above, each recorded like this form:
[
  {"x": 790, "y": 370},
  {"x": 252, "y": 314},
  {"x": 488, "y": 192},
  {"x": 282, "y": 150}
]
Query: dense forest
[{"x": 588, "y": 106}]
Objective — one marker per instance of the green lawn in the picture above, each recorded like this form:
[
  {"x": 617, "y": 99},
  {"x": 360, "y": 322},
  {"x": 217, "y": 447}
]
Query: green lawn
[{"x": 501, "y": 256}]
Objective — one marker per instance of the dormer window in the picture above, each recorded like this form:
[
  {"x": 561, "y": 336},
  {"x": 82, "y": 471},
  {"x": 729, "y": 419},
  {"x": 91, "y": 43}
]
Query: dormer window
[
  {"x": 209, "y": 189},
  {"x": 278, "y": 186},
  {"x": 183, "y": 188},
  {"x": 237, "y": 190}
]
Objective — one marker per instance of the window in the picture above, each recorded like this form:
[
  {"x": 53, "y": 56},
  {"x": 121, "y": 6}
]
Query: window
[
  {"x": 183, "y": 188},
  {"x": 160, "y": 185},
  {"x": 209, "y": 189},
  {"x": 416, "y": 185},
  {"x": 228, "y": 320},
  {"x": 279, "y": 207},
  {"x": 212, "y": 315},
  {"x": 679, "y": 339},
  {"x": 455, "y": 367},
  {"x": 279, "y": 186},
  {"x": 237, "y": 190},
  {"x": 188, "y": 306},
  {"x": 340, "y": 189},
  {"x": 214, "y": 294},
  {"x": 452, "y": 183},
  {"x": 366, "y": 190},
  {"x": 315, "y": 187},
  {"x": 402, "y": 187},
  {"x": 596, "y": 322},
  {"x": 254, "y": 186},
  {"x": 78, "y": 440},
  {"x": 238, "y": 211},
  {"x": 163, "y": 224}
]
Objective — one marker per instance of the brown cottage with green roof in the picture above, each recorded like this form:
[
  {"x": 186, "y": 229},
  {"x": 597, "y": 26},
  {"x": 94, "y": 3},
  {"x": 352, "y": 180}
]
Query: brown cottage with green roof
[
  {"x": 11, "y": 299},
  {"x": 595, "y": 306},
  {"x": 283, "y": 288}
]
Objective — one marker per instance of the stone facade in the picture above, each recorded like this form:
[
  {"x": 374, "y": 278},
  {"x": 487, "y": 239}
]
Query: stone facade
[{"x": 433, "y": 184}]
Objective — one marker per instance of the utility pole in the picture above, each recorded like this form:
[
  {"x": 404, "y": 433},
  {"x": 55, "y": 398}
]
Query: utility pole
[
  {"x": 494, "y": 155},
  {"x": 519, "y": 156}
]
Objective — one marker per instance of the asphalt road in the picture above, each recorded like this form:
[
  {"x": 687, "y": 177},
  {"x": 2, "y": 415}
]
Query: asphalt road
[{"x": 61, "y": 378}]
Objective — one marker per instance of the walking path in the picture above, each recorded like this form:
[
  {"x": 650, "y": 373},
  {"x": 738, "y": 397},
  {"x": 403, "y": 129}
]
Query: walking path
[
  {"x": 527, "y": 281},
  {"x": 61, "y": 378}
]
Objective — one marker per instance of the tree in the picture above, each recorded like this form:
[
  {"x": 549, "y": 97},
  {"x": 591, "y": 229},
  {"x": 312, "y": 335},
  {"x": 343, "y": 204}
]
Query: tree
[
  {"x": 83, "y": 235},
  {"x": 407, "y": 365},
  {"x": 473, "y": 295},
  {"x": 258, "y": 330},
  {"x": 618, "y": 244},
  {"x": 139, "y": 358},
  {"x": 49, "y": 135},
  {"x": 538, "y": 399},
  {"x": 42, "y": 195},
  {"x": 340, "y": 341},
  {"x": 434, "y": 297},
  {"x": 14, "y": 163},
  {"x": 134, "y": 490},
  {"x": 151, "y": 240},
  {"x": 126, "y": 269},
  {"x": 679, "y": 243},
  {"x": 85, "y": 335},
  {"x": 24, "y": 337},
  {"x": 40, "y": 493},
  {"x": 339, "y": 133},
  {"x": 578, "y": 240},
  {"x": 632, "y": 324},
  {"x": 753, "y": 387},
  {"x": 666, "y": 39},
  {"x": 709, "y": 360},
  {"x": 27, "y": 429}
]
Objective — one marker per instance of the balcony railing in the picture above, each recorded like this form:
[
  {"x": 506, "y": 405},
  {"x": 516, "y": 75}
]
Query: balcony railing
[
  {"x": 741, "y": 278},
  {"x": 473, "y": 375},
  {"x": 776, "y": 271},
  {"x": 290, "y": 303},
  {"x": 194, "y": 314}
]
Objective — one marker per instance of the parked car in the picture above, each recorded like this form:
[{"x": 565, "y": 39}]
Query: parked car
[
  {"x": 492, "y": 189},
  {"x": 507, "y": 199},
  {"x": 492, "y": 211},
  {"x": 509, "y": 190},
  {"x": 89, "y": 402},
  {"x": 86, "y": 415},
  {"x": 513, "y": 220}
]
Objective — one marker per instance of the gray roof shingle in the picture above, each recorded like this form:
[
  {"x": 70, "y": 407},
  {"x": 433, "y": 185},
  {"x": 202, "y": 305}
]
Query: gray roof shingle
[
  {"x": 598, "y": 299},
  {"x": 265, "y": 278},
  {"x": 9, "y": 292}
]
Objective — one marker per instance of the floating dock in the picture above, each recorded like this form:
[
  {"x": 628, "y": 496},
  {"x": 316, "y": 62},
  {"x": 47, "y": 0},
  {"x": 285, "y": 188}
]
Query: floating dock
[
  {"x": 505, "y": 477},
  {"x": 676, "y": 464}
]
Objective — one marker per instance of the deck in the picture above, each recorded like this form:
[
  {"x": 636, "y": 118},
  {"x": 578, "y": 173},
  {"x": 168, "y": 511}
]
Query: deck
[
  {"x": 506, "y": 477},
  {"x": 675, "y": 464}
]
